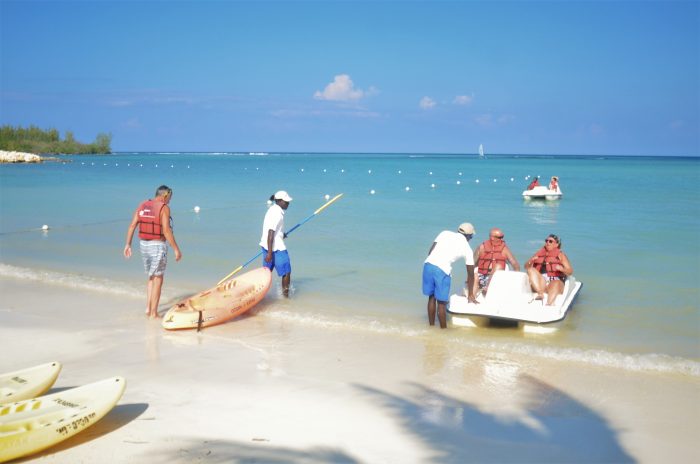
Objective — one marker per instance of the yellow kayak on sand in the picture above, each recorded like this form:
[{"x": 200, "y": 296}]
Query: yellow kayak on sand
[
  {"x": 28, "y": 383},
  {"x": 29, "y": 426}
]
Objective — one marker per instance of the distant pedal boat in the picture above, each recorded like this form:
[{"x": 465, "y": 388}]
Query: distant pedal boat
[
  {"x": 510, "y": 301},
  {"x": 542, "y": 192}
]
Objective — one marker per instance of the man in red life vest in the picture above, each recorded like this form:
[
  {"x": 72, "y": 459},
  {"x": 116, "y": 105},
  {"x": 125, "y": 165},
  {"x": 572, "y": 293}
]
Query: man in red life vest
[
  {"x": 154, "y": 222},
  {"x": 491, "y": 256}
]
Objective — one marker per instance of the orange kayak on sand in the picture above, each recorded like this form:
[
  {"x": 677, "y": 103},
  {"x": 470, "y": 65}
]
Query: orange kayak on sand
[{"x": 220, "y": 304}]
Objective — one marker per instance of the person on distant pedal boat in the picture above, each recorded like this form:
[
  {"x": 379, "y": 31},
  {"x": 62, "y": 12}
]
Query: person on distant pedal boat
[
  {"x": 447, "y": 248},
  {"x": 554, "y": 184},
  {"x": 275, "y": 255},
  {"x": 548, "y": 270},
  {"x": 154, "y": 222},
  {"x": 535, "y": 182},
  {"x": 490, "y": 257}
]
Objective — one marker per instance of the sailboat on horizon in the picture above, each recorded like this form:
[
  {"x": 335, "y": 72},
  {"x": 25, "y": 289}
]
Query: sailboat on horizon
[{"x": 481, "y": 150}]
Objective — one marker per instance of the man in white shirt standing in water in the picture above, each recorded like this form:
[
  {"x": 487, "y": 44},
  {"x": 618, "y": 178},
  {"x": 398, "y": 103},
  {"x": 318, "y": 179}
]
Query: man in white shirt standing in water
[
  {"x": 447, "y": 248},
  {"x": 275, "y": 254}
]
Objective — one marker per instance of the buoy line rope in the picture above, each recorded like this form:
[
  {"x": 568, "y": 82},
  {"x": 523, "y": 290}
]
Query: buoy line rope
[{"x": 109, "y": 221}]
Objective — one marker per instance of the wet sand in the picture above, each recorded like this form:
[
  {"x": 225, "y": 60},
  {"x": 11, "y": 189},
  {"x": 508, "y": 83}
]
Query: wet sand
[{"x": 260, "y": 389}]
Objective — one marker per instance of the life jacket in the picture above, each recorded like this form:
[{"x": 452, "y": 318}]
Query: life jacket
[
  {"x": 548, "y": 260},
  {"x": 490, "y": 255},
  {"x": 150, "y": 227}
]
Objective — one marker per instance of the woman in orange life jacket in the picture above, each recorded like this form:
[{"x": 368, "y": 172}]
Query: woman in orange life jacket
[
  {"x": 548, "y": 270},
  {"x": 554, "y": 184},
  {"x": 153, "y": 220},
  {"x": 491, "y": 256}
]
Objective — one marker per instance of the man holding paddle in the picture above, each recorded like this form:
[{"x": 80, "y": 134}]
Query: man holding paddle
[{"x": 275, "y": 255}]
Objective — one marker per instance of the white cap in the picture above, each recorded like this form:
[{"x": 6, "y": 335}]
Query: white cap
[{"x": 282, "y": 195}]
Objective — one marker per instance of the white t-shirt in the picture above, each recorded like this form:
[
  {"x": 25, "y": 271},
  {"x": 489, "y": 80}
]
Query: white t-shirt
[
  {"x": 449, "y": 247},
  {"x": 274, "y": 220}
]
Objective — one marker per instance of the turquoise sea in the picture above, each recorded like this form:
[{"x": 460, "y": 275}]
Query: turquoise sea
[{"x": 630, "y": 226}]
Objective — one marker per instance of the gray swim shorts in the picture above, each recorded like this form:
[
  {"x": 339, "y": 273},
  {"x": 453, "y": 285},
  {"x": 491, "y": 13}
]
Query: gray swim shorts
[{"x": 155, "y": 256}]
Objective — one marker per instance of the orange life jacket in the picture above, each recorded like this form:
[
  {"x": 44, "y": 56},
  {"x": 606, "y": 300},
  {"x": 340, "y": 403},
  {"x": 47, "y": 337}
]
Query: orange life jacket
[
  {"x": 150, "y": 227},
  {"x": 490, "y": 255},
  {"x": 548, "y": 260}
]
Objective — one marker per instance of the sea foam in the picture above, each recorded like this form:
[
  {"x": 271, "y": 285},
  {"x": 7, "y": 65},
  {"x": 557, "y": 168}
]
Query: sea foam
[{"x": 72, "y": 281}]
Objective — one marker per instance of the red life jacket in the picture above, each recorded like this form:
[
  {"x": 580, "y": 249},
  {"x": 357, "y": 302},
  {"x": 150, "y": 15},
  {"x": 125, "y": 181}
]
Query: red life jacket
[
  {"x": 490, "y": 255},
  {"x": 548, "y": 260},
  {"x": 150, "y": 227}
]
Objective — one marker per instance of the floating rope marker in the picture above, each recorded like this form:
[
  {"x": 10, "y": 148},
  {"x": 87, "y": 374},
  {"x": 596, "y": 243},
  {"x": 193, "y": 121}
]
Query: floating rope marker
[
  {"x": 196, "y": 209},
  {"x": 327, "y": 197},
  {"x": 371, "y": 192},
  {"x": 369, "y": 171},
  {"x": 477, "y": 181},
  {"x": 459, "y": 182},
  {"x": 432, "y": 185},
  {"x": 408, "y": 188}
]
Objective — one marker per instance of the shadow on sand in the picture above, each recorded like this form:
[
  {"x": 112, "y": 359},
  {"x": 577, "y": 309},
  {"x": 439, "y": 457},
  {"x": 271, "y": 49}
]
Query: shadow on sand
[{"x": 555, "y": 428}]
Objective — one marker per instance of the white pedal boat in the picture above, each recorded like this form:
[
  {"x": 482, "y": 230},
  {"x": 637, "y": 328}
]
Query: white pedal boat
[
  {"x": 542, "y": 192},
  {"x": 510, "y": 301}
]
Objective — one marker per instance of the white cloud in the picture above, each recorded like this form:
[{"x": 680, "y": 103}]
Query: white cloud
[
  {"x": 427, "y": 103},
  {"x": 341, "y": 89},
  {"x": 463, "y": 99}
]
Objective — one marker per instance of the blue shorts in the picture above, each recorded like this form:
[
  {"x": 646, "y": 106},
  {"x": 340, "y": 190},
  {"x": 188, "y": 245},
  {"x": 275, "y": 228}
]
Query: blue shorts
[
  {"x": 280, "y": 261},
  {"x": 436, "y": 283}
]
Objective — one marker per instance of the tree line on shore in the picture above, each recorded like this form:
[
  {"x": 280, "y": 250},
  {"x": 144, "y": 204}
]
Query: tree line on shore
[{"x": 39, "y": 141}]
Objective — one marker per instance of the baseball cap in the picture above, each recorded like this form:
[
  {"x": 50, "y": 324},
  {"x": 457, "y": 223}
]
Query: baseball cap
[
  {"x": 466, "y": 228},
  {"x": 282, "y": 195}
]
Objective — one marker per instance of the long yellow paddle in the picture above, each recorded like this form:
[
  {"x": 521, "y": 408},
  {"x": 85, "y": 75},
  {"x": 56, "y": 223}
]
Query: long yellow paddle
[{"x": 326, "y": 205}]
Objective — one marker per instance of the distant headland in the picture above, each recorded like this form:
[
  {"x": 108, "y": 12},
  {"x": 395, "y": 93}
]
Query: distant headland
[{"x": 19, "y": 144}]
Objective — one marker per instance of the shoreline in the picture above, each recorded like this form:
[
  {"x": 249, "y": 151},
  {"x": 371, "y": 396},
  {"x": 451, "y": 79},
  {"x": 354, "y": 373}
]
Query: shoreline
[{"x": 279, "y": 390}]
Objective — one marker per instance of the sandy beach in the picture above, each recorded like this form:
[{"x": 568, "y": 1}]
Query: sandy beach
[{"x": 264, "y": 390}]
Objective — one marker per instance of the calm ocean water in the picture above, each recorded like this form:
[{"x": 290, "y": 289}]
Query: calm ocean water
[{"x": 630, "y": 226}]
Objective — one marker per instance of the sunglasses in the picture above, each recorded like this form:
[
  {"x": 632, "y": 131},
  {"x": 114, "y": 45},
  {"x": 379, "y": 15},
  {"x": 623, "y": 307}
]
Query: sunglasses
[
  {"x": 498, "y": 236},
  {"x": 550, "y": 240}
]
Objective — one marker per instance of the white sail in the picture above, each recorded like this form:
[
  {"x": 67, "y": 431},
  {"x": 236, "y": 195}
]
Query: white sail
[{"x": 481, "y": 150}]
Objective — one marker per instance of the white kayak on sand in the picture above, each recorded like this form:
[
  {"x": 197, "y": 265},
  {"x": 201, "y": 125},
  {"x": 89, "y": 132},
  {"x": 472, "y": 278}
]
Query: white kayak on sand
[
  {"x": 510, "y": 299},
  {"x": 542, "y": 192}
]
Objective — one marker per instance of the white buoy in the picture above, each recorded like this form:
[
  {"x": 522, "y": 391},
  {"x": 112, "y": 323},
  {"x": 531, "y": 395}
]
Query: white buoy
[
  {"x": 371, "y": 192},
  {"x": 477, "y": 181},
  {"x": 172, "y": 166},
  {"x": 156, "y": 165},
  {"x": 460, "y": 173},
  {"x": 369, "y": 171},
  {"x": 188, "y": 166},
  {"x": 116, "y": 164},
  {"x": 432, "y": 185},
  {"x": 45, "y": 227},
  {"x": 511, "y": 179},
  {"x": 495, "y": 180},
  {"x": 430, "y": 173},
  {"x": 408, "y": 188},
  {"x": 324, "y": 170},
  {"x": 327, "y": 197},
  {"x": 399, "y": 172},
  {"x": 459, "y": 182},
  {"x": 196, "y": 209},
  {"x": 342, "y": 170},
  {"x": 302, "y": 169}
]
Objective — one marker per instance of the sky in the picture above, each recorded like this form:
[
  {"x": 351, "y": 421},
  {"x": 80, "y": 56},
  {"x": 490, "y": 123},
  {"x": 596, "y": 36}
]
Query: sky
[{"x": 519, "y": 77}]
